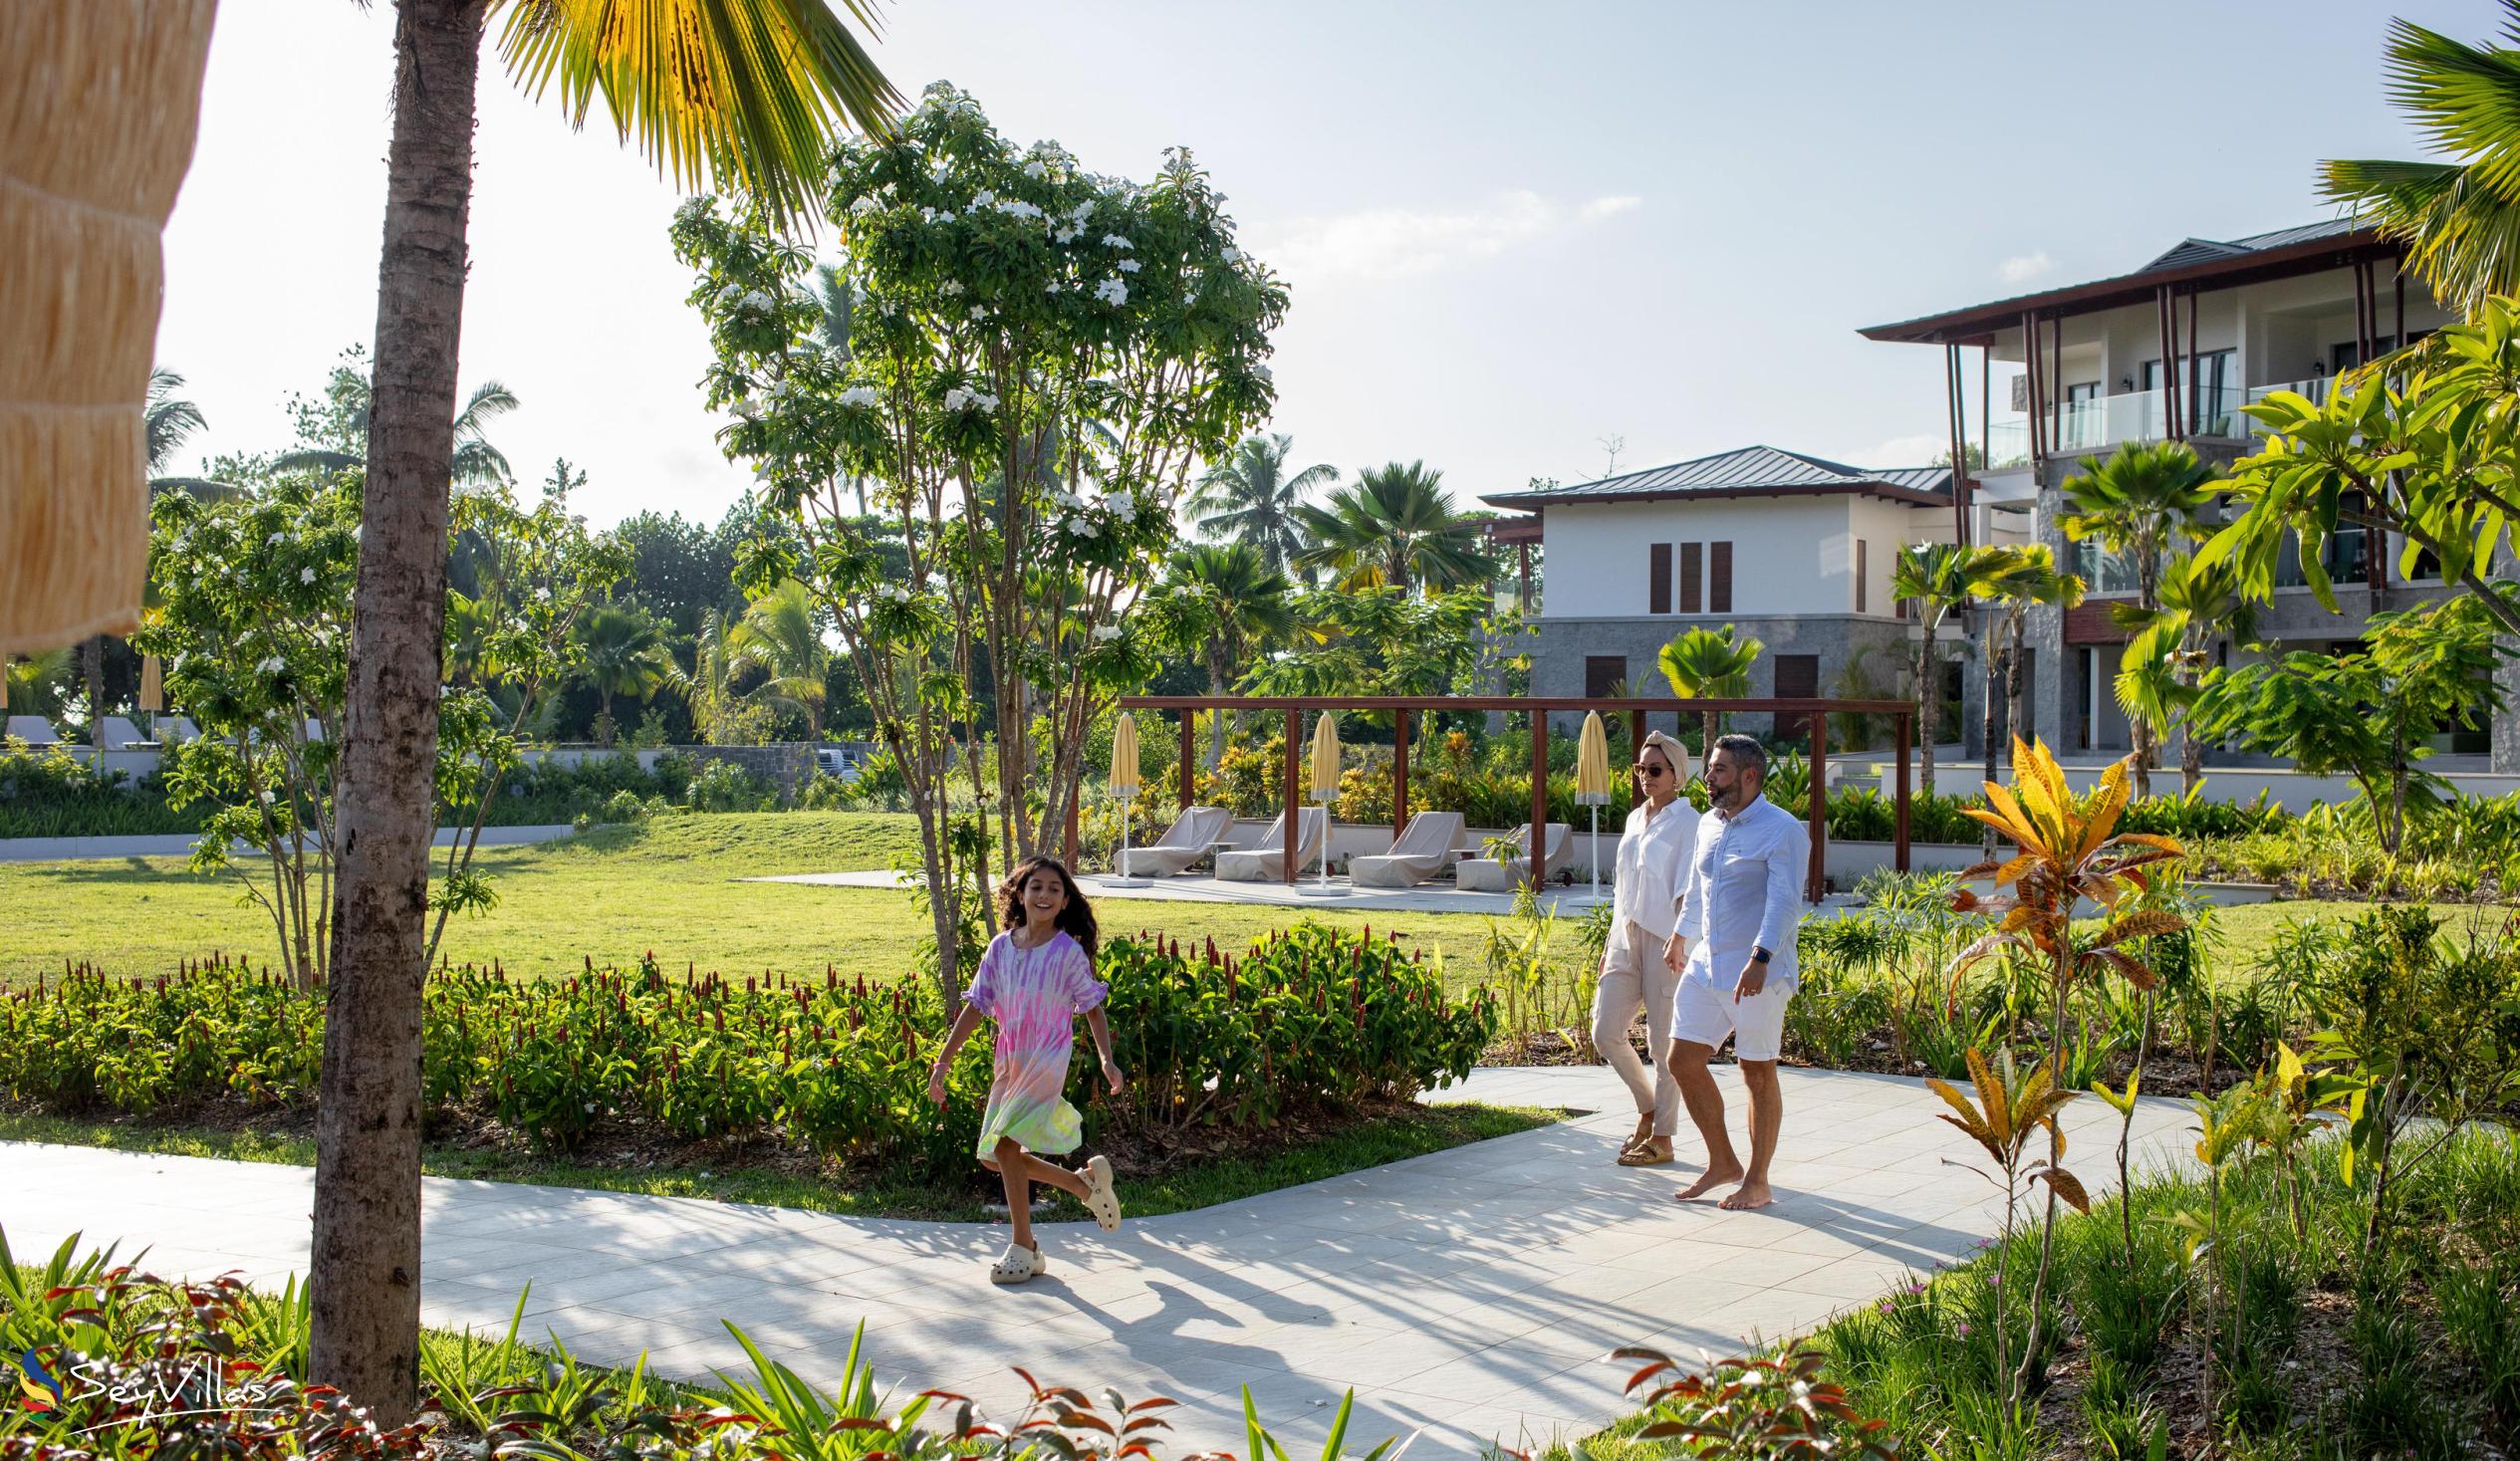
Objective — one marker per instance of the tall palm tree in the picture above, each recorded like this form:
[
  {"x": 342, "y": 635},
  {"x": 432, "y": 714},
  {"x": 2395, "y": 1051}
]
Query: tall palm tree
[
  {"x": 1223, "y": 602},
  {"x": 782, "y": 633},
  {"x": 737, "y": 94},
  {"x": 1394, "y": 526},
  {"x": 2143, "y": 503},
  {"x": 1935, "y": 579},
  {"x": 1248, "y": 498},
  {"x": 2024, "y": 577},
  {"x": 2460, "y": 219},
  {"x": 167, "y": 422},
  {"x": 2165, "y": 663},
  {"x": 709, "y": 690},
  {"x": 1709, "y": 664},
  {"x": 475, "y": 460},
  {"x": 620, "y": 651}
]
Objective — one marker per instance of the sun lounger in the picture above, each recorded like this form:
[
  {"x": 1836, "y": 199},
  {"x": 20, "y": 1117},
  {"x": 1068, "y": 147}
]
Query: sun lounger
[
  {"x": 35, "y": 730},
  {"x": 1489, "y": 874},
  {"x": 174, "y": 730},
  {"x": 120, "y": 734},
  {"x": 1268, "y": 859},
  {"x": 1192, "y": 835},
  {"x": 1424, "y": 849}
]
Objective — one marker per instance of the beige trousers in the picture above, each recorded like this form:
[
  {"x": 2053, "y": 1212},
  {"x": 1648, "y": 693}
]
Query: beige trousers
[{"x": 1634, "y": 975}]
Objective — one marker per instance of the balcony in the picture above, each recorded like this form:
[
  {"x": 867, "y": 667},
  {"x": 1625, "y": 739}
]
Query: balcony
[
  {"x": 2314, "y": 390},
  {"x": 2097, "y": 423}
]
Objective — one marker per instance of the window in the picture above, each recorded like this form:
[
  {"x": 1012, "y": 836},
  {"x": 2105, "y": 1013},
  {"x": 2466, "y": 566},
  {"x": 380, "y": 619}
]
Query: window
[
  {"x": 1863, "y": 572},
  {"x": 1692, "y": 576},
  {"x": 1798, "y": 676},
  {"x": 2213, "y": 394},
  {"x": 1603, "y": 676},
  {"x": 1659, "y": 579},
  {"x": 1719, "y": 577}
]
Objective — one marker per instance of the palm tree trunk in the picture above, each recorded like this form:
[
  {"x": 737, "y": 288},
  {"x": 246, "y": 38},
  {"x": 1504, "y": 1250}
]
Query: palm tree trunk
[
  {"x": 1928, "y": 707},
  {"x": 1986, "y": 718},
  {"x": 2013, "y": 681},
  {"x": 365, "y": 1264},
  {"x": 1216, "y": 718},
  {"x": 92, "y": 663}
]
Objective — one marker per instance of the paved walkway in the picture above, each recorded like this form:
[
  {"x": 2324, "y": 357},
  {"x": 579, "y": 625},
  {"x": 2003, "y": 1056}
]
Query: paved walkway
[{"x": 1473, "y": 1292}]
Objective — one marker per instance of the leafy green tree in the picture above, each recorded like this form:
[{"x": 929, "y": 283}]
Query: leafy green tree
[
  {"x": 1380, "y": 640},
  {"x": 1935, "y": 579},
  {"x": 36, "y": 681},
  {"x": 2367, "y": 714},
  {"x": 340, "y": 420},
  {"x": 1250, "y": 499},
  {"x": 1396, "y": 526},
  {"x": 1711, "y": 664},
  {"x": 2427, "y": 453},
  {"x": 781, "y": 633},
  {"x": 2460, "y": 219},
  {"x": 2144, "y": 503},
  {"x": 620, "y": 653},
  {"x": 1221, "y": 603},
  {"x": 2164, "y": 662},
  {"x": 1039, "y": 357},
  {"x": 2022, "y": 578}
]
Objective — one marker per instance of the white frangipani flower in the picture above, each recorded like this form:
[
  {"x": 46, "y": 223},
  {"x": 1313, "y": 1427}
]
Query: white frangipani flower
[
  {"x": 1111, "y": 291},
  {"x": 859, "y": 395},
  {"x": 950, "y": 288},
  {"x": 1232, "y": 255},
  {"x": 306, "y": 576},
  {"x": 1106, "y": 633},
  {"x": 1127, "y": 266},
  {"x": 1115, "y": 241}
]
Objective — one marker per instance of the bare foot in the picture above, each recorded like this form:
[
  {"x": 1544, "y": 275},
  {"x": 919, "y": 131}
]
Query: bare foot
[
  {"x": 1708, "y": 1180},
  {"x": 1748, "y": 1196}
]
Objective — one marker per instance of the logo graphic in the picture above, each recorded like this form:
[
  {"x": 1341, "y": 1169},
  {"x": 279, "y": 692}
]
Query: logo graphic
[{"x": 36, "y": 1384}]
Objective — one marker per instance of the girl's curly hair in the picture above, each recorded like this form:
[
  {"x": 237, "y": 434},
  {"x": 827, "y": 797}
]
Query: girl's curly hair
[{"x": 1076, "y": 919}]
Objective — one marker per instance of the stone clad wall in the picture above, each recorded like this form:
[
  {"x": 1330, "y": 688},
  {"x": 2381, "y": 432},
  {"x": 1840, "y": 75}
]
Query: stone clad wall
[{"x": 787, "y": 765}]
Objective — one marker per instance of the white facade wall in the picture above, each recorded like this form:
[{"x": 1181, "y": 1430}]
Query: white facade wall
[{"x": 1790, "y": 555}]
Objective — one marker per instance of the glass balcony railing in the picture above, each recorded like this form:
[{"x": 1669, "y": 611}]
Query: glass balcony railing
[{"x": 2315, "y": 388}]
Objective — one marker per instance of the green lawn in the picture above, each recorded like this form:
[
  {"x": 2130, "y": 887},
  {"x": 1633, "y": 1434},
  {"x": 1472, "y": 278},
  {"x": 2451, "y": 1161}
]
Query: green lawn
[{"x": 674, "y": 886}]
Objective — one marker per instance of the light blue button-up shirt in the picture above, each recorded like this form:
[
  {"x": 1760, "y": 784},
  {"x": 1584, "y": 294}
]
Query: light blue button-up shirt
[{"x": 1744, "y": 890}]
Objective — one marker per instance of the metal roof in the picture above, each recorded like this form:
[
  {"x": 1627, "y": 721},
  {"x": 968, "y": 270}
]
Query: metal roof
[
  {"x": 1751, "y": 471},
  {"x": 2303, "y": 248}
]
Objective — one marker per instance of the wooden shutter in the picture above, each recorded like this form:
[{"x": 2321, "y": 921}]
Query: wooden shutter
[
  {"x": 1659, "y": 579},
  {"x": 1719, "y": 577},
  {"x": 1692, "y": 575},
  {"x": 1863, "y": 573},
  {"x": 1600, "y": 673},
  {"x": 1798, "y": 676}
]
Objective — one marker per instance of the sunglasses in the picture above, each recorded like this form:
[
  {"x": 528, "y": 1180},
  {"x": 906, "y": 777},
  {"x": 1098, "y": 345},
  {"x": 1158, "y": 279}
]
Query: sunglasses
[{"x": 1645, "y": 770}]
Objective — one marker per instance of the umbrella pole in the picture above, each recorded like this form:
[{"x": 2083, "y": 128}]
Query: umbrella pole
[{"x": 1597, "y": 854}]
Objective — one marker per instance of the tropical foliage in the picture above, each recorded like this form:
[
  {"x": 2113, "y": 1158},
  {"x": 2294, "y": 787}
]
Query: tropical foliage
[
  {"x": 2141, "y": 504},
  {"x": 1709, "y": 664},
  {"x": 1250, "y": 499},
  {"x": 1394, "y": 527}
]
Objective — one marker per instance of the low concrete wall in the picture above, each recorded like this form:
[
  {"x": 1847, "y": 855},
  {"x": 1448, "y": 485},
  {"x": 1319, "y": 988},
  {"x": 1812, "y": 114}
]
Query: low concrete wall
[
  {"x": 180, "y": 845},
  {"x": 787, "y": 765}
]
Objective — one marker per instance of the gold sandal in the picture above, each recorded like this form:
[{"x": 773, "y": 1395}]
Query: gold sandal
[{"x": 1642, "y": 1155}]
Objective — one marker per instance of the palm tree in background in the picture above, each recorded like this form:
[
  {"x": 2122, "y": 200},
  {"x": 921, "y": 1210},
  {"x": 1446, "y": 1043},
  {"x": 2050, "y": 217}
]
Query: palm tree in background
[
  {"x": 1935, "y": 579},
  {"x": 475, "y": 460},
  {"x": 1711, "y": 664},
  {"x": 34, "y": 683},
  {"x": 1223, "y": 602},
  {"x": 2026, "y": 576},
  {"x": 1248, "y": 498},
  {"x": 740, "y": 95},
  {"x": 2461, "y": 218},
  {"x": 2163, "y": 667},
  {"x": 2142, "y": 504},
  {"x": 622, "y": 651},
  {"x": 782, "y": 634},
  {"x": 1394, "y": 526}
]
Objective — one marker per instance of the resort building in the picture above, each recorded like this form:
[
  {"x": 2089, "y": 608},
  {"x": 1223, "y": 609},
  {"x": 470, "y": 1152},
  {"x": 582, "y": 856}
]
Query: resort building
[{"x": 1789, "y": 549}]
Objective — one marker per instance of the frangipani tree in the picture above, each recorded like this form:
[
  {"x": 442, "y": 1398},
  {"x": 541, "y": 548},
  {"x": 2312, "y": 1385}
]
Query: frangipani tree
[
  {"x": 2067, "y": 850},
  {"x": 1039, "y": 357}
]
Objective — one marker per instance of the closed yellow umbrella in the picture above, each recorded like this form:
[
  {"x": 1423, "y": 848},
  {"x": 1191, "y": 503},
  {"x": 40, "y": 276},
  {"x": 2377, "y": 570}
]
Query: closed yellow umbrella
[
  {"x": 1592, "y": 787},
  {"x": 152, "y": 688},
  {"x": 1125, "y": 787},
  {"x": 1325, "y": 791}
]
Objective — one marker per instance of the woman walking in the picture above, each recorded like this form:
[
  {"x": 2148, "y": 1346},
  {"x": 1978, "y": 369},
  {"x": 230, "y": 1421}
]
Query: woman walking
[
  {"x": 1035, "y": 979},
  {"x": 1652, "y": 851}
]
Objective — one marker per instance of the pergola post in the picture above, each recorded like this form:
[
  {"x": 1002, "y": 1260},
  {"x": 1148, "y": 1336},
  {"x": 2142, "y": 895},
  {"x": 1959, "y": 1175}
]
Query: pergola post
[
  {"x": 1819, "y": 804},
  {"x": 1400, "y": 773},
  {"x": 1189, "y": 782},
  {"x": 1294, "y": 804},
  {"x": 1539, "y": 798},
  {"x": 1636, "y": 743},
  {"x": 1906, "y": 732}
]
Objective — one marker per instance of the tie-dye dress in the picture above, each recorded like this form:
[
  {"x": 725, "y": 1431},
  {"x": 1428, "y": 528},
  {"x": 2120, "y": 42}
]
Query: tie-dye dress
[{"x": 1034, "y": 995}]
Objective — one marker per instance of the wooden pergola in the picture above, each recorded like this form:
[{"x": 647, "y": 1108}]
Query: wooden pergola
[{"x": 1903, "y": 715}]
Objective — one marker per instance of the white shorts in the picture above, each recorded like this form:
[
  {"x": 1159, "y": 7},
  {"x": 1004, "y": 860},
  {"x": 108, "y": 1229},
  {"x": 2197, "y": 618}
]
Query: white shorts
[{"x": 1703, "y": 1014}]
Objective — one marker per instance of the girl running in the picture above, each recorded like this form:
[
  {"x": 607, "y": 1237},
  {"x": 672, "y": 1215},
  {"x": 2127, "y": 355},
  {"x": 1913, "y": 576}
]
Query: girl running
[{"x": 1035, "y": 978}]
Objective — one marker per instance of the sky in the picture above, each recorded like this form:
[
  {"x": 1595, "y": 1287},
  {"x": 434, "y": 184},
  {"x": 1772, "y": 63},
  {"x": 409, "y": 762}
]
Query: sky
[{"x": 1514, "y": 235}]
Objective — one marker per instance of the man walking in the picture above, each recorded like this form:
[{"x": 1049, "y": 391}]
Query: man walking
[{"x": 1740, "y": 900}]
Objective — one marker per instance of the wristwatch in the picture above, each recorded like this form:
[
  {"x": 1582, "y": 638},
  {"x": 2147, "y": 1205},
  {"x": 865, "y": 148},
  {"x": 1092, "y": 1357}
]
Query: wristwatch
[{"x": 1759, "y": 955}]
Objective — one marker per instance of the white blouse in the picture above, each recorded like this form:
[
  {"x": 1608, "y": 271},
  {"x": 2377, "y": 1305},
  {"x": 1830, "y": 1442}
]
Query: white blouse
[{"x": 1652, "y": 857}]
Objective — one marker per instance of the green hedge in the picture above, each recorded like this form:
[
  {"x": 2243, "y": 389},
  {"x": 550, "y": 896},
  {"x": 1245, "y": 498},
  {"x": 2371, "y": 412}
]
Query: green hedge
[{"x": 1307, "y": 1021}]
